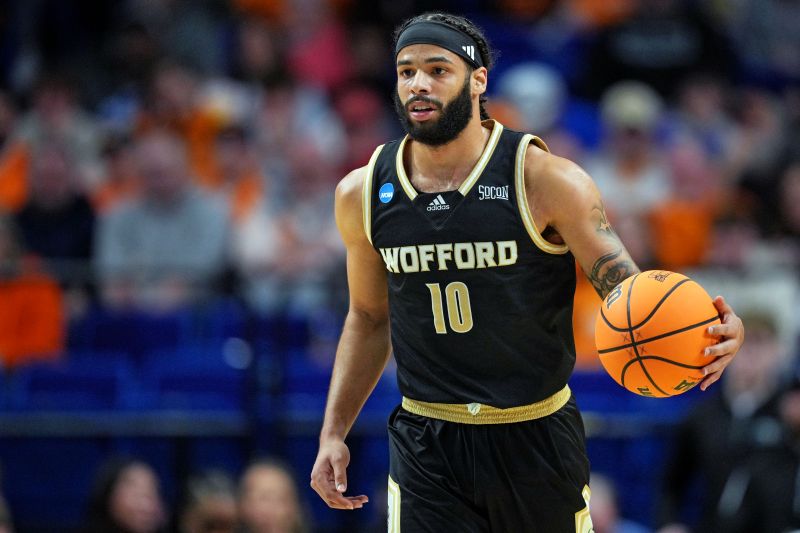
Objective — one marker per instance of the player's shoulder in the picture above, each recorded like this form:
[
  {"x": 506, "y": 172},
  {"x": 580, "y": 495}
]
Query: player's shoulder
[
  {"x": 552, "y": 174},
  {"x": 555, "y": 186},
  {"x": 349, "y": 205},
  {"x": 349, "y": 189}
]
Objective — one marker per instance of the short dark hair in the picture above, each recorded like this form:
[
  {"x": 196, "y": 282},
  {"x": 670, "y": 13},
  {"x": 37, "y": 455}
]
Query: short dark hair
[{"x": 464, "y": 25}]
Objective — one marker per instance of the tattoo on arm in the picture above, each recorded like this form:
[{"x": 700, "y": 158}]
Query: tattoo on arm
[
  {"x": 609, "y": 270},
  {"x": 613, "y": 267},
  {"x": 603, "y": 227}
]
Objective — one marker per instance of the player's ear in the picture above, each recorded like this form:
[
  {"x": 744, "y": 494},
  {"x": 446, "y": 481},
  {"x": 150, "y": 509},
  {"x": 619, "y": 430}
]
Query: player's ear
[{"x": 480, "y": 77}]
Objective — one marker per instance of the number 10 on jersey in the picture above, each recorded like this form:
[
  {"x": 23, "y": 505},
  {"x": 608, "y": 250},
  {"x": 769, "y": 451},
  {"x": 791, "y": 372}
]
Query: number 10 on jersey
[{"x": 459, "y": 312}]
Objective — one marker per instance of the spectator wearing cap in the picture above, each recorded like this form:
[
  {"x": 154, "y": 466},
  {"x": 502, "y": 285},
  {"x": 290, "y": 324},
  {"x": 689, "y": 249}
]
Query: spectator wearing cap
[
  {"x": 532, "y": 97},
  {"x": 631, "y": 175}
]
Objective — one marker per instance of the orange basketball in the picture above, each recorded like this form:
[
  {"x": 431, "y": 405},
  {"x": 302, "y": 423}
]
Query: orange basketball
[{"x": 651, "y": 332}]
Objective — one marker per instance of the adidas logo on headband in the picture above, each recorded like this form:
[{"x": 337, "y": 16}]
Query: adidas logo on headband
[
  {"x": 470, "y": 50},
  {"x": 440, "y": 34}
]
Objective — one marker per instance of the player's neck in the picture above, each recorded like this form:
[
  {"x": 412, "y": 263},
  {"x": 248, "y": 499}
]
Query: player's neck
[{"x": 445, "y": 167}]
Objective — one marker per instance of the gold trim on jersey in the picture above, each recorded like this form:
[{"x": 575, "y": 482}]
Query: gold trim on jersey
[
  {"x": 393, "y": 506},
  {"x": 583, "y": 519},
  {"x": 477, "y": 413},
  {"x": 522, "y": 197},
  {"x": 411, "y": 192},
  {"x": 474, "y": 174},
  {"x": 366, "y": 193},
  {"x": 484, "y": 159}
]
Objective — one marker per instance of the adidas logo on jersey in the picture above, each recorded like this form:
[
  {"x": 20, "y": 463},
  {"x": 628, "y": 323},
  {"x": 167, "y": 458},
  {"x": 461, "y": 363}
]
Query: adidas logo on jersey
[{"x": 438, "y": 204}]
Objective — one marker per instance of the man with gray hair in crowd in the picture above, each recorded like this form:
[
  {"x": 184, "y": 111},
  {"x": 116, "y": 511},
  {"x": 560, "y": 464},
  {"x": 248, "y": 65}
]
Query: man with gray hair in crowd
[{"x": 167, "y": 247}]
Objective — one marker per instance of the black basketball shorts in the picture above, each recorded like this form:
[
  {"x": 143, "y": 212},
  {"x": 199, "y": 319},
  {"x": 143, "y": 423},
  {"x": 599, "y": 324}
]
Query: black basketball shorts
[{"x": 524, "y": 477}]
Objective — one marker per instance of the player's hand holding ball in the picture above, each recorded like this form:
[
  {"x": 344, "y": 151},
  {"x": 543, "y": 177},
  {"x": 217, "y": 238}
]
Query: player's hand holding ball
[{"x": 659, "y": 334}]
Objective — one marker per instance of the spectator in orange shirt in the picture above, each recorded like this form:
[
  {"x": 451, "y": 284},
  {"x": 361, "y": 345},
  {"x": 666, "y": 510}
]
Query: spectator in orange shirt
[
  {"x": 31, "y": 310},
  {"x": 173, "y": 105},
  {"x": 236, "y": 174},
  {"x": 13, "y": 159}
]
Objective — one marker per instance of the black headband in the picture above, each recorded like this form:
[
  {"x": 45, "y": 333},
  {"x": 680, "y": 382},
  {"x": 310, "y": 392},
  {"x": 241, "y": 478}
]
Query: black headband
[{"x": 440, "y": 34}]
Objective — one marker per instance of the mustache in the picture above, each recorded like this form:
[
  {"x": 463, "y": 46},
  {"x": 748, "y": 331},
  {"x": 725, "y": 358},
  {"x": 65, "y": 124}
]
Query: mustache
[{"x": 422, "y": 98}]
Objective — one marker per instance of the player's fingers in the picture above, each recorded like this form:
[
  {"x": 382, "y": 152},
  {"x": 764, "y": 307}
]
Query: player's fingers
[
  {"x": 718, "y": 365},
  {"x": 342, "y": 504},
  {"x": 358, "y": 501},
  {"x": 710, "y": 380},
  {"x": 340, "y": 473},
  {"x": 722, "y": 330},
  {"x": 347, "y": 503},
  {"x": 332, "y": 497},
  {"x": 322, "y": 481},
  {"x": 732, "y": 326},
  {"x": 722, "y": 348},
  {"x": 722, "y": 306}
]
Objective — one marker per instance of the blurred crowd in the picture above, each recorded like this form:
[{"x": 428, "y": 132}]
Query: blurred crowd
[
  {"x": 155, "y": 154},
  {"x": 126, "y": 497}
]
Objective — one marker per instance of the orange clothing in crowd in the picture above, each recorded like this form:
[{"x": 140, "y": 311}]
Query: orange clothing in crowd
[
  {"x": 243, "y": 195},
  {"x": 505, "y": 113},
  {"x": 198, "y": 130},
  {"x": 267, "y": 9},
  {"x": 681, "y": 231},
  {"x": 111, "y": 193},
  {"x": 13, "y": 178},
  {"x": 31, "y": 319},
  {"x": 601, "y": 14},
  {"x": 586, "y": 305}
]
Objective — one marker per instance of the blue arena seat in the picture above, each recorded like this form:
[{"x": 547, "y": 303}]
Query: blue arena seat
[
  {"x": 195, "y": 377},
  {"x": 220, "y": 320},
  {"x": 131, "y": 332},
  {"x": 79, "y": 382}
]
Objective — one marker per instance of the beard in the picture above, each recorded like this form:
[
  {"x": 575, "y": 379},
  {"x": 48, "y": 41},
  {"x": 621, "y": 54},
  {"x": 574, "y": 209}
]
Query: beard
[{"x": 453, "y": 118}]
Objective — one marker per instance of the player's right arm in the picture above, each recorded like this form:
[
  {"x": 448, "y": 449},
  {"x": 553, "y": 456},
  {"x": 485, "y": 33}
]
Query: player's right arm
[{"x": 363, "y": 347}]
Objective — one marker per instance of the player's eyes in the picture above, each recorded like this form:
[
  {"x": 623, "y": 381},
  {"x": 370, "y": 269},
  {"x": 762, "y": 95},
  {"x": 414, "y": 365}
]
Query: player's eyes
[
  {"x": 406, "y": 73},
  {"x": 439, "y": 71}
]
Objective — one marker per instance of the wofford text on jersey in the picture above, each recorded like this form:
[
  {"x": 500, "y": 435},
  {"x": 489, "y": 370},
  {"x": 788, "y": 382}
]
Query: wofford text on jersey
[{"x": 461, "y": 255}]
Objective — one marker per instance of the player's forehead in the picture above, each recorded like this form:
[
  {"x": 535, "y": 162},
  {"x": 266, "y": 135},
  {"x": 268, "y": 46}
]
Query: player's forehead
[{"x": 417, "y": 54}]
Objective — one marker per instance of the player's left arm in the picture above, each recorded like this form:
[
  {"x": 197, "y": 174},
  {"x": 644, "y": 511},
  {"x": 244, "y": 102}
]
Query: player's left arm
[{"x": 567, "y": 206}]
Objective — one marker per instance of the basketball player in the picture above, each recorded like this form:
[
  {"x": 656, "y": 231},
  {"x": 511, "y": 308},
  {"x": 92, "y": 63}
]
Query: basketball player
[{"x": 461, "y": 240}]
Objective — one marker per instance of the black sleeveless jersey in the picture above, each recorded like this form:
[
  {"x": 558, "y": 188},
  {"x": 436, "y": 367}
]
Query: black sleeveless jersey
[{"x": 480, "y": 303}]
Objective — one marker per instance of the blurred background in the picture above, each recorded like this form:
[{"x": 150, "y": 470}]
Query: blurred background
[{"x": 172, "y": 284}]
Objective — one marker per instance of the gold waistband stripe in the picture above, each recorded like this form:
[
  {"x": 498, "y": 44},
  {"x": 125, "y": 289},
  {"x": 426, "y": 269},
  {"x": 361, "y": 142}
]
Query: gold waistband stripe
[{"x": 477, "y": 413}]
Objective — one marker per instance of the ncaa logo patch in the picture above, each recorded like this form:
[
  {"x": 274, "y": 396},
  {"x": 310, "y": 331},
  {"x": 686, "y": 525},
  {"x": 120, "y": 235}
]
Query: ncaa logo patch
[{"x": 386, "y": 193}]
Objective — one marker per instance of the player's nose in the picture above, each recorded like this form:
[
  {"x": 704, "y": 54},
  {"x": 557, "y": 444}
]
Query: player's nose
[{"x": 420, "y": 83}]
